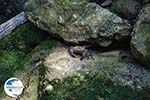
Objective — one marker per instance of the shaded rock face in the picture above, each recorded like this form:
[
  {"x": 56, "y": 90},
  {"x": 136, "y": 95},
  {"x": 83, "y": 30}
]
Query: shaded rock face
[
  {"x": 144, "y": 1},
  {"x": 99, "y": 1},
  {"x": 77, "y": 21},
  {"x": 140, "y": 44},
  {"x": 126, "y": 8},
  {"x": 9, "y": 8},
  {"x": 112, "y": 65}
]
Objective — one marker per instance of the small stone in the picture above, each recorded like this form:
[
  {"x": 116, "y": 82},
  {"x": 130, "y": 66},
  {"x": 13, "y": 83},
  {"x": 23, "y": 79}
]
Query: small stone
[
  {"x": 82, "y": 78},
  {"x": 49, "y": 88}
]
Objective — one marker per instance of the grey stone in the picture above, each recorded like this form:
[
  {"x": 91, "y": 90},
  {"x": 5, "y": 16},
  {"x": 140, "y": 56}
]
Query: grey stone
[
  {"x": 112, "y": 65},
  {"x": 77, "y": 21},
  {"x": 140, "y": 44}
]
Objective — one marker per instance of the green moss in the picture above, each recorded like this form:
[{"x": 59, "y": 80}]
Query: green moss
[
  {"x": 24, "y": 38},
  {"x": 15, "y": 60},
  {"x": 9, "y": 63},
  {"x": 46, "y": 45},
  {"x": 91, "y": 88}
]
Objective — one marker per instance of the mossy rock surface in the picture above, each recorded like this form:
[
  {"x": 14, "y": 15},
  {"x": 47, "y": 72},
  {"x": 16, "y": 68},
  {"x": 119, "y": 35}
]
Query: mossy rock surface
[
  {"x": 24, "y": 38},
  {"x": 77, "y": 21},
  {"x": 14, "y": 47},
  {"x": 9, "y": 62},
  {"x": 25, "y": 67}
]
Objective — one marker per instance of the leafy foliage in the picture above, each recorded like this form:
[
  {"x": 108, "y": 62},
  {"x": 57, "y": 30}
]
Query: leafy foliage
[{"x": 91, "y": 88}]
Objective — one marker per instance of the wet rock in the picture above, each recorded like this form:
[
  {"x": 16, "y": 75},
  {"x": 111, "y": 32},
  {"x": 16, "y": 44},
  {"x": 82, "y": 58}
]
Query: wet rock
[
  {"x": 140, "y": 44},
  {"x": 112, "y": 65},
  {"x": 77, "y": 21},
  {"x": 126, "y": 8}
]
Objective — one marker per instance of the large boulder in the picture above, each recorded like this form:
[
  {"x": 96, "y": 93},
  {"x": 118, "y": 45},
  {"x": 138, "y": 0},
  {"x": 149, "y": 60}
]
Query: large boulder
[
  {"x": 140, "y": 44},
  {"x": 77, "y": 21}
]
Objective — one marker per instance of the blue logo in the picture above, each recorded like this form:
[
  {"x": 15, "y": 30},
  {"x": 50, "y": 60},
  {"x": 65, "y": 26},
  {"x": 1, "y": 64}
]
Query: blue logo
[{"x": 13, "y": 87}]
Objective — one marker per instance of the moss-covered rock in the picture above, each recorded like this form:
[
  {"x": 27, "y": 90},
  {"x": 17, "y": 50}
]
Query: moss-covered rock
[
  {"x": 27, "y": 69},
  {"x": 77, "y": 21},
  {"x": 24, "y": 38},
  {"x": 140, "y": 44},
  {"x": 14, "y": 47}
]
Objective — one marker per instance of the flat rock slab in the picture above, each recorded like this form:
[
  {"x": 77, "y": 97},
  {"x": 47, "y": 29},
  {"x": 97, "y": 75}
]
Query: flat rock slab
[{"x": 126, "y": 72}]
